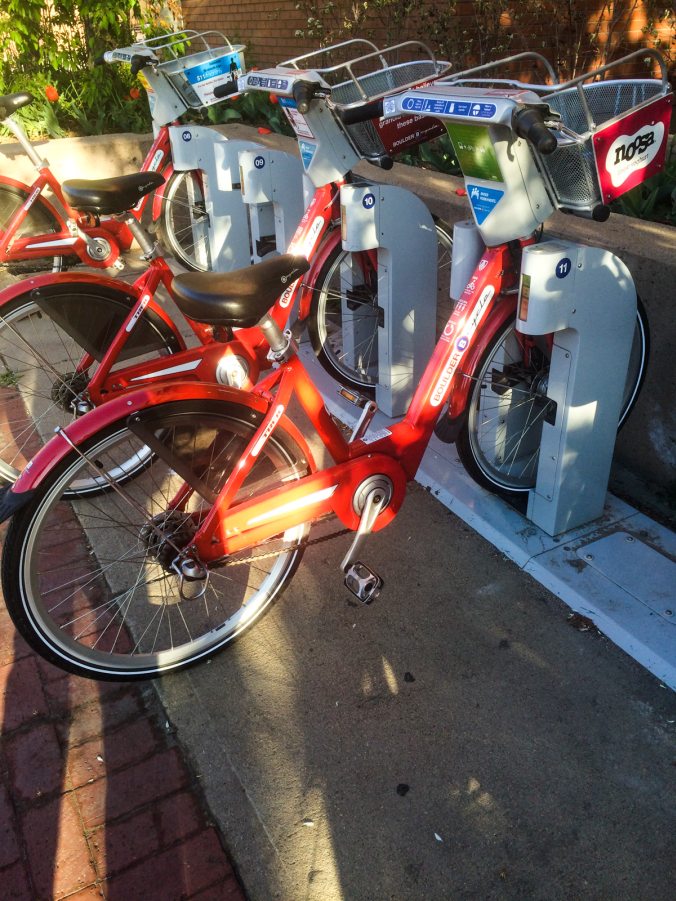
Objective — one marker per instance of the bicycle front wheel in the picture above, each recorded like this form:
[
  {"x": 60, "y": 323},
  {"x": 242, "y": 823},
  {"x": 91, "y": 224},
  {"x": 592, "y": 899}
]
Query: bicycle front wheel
[
  {"x": 499, "y": 443},
  {"x": 38, "y": 221},
  {"x": 43, "y": 336},
  {"x": 184, "y": 222},
  {"x": 93, "y": 584},
  {"x": 345, "y": 317}
]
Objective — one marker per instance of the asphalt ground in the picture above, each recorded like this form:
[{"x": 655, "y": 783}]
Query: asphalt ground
[{"x": 463, "y": 737}]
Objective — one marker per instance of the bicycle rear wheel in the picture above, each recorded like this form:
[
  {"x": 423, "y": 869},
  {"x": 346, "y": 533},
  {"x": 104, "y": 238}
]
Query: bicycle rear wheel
[
  {"x": 39, "y": 221},
  {"x": 499, "y": 443},
  {"x": 43, "y": 336},
  {"x": 184, "y": 223},
  {"x": 346, "y": 297},
  {"x": 90, "y": 583}
]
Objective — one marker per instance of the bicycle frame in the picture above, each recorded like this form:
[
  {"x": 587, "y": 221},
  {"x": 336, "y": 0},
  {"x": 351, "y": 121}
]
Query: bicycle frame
[
  {"x": 395, "y": 455},
  {"x": 246, "y": 348},
  {"x": 75, "y": 230}
]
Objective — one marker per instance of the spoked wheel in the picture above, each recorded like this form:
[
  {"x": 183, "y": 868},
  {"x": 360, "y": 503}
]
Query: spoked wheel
[
  {"x": 345, "y": 317},
  {"x": 41, "y": 385},
  {"x": 499, "y": 443},
  {"x": 184, "y": 222},
  {"x": 39, "y": 221},
  {"x": 105, "y": 587}
]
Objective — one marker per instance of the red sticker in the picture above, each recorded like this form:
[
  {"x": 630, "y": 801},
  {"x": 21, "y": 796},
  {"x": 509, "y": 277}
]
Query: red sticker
[{"x": 629, "y": 150}]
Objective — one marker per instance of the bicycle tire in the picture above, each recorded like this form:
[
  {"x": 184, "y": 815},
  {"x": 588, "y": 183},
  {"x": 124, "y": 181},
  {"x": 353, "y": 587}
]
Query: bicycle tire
[
  {"x": 183, "y": 221},
  {"x": 40, "y": 220},
  {"x": 499, "y": 439},
  {"x": 325, "y": 322},
  {"x": 42, "y": 338},
  {"x": 89, "y": 583}
]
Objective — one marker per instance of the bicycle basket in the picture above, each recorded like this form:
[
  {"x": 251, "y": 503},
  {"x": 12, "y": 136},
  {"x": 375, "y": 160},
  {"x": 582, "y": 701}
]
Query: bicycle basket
[
  {"x": 376, "y": 138},
  {"x": 621, "y": 130},
  {"x": 195, "y": 75},
  {"x": 373, "y": 139}
]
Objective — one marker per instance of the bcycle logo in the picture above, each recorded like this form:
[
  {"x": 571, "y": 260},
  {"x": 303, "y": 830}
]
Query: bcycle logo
[
  {"x": 285, "y": 299},
  {"x": 631, "y": 153}
]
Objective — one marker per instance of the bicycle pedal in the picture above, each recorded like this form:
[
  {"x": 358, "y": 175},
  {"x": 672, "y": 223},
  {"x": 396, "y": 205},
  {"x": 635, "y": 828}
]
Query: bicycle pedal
[{"x": 364, "y": 584}]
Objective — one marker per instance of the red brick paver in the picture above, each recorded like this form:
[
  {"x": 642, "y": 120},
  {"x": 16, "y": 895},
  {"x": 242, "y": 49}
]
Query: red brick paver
[{"x": 96, "y": 798}]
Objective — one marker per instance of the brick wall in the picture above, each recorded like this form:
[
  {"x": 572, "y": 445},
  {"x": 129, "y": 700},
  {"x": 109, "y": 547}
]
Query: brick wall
[{"x": 268, "y": 28}]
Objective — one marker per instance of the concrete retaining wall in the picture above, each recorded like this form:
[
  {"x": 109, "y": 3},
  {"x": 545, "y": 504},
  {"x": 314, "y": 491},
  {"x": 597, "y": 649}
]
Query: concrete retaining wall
[{"x": 645, "y": 458}]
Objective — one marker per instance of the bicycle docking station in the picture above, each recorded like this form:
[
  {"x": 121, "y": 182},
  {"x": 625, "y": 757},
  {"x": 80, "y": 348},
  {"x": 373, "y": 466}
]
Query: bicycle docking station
[
  {"x": 398, "y": 225},
  {"x": 226, "y": 225},
  {"x": 585, "y": 296},
  {"x": 272, "y": 189}
]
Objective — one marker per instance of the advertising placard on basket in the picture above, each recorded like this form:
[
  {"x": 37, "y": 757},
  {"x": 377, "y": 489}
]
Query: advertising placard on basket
[
  {"x": 630, "y": 149},
  {"x": 206, "y": 75},
  {"x": 407, "y": 131}
]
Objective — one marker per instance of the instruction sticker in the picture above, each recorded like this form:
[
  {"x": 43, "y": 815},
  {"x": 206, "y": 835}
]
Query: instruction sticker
[
  {"x": 307, "y": 152},
  {"x": 297, "y": 120},
  {"x": 438, "y": 107},
  {"x": 483, "y": 200}
]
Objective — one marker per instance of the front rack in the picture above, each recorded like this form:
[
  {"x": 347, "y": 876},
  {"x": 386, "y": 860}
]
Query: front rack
[
  {"x": 604, "y": 125},
  {"x": 370, "y": 76},
  {"x": 193, "y": 75}
]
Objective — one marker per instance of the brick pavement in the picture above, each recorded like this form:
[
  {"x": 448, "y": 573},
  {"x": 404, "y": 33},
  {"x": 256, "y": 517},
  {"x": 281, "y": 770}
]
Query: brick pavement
[{"x": 96, "y": 798}]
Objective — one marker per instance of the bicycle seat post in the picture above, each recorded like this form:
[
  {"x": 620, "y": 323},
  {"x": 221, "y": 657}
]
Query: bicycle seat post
[
  {"x": 149, "y": 248},
  {"x": 282, "y": 345}
]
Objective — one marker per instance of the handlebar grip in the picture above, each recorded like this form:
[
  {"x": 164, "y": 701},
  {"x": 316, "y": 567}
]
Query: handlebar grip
[
  {"x": 136, "y": 63},
  {"x": 382, "y": 162},
  {"x": 529, "y": 123},
  {"x": 100, "y": 60},
  {"x": 303, "y": 93},
  {"x": 362, "y": 113},
  {"x": 225, "y": 90}
]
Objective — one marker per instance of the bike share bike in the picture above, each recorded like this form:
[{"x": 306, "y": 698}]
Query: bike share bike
[
  {"x": 161, "y": 571},
  {"x": 72, "y": 341},
  {"x": 36, "y": 233}
]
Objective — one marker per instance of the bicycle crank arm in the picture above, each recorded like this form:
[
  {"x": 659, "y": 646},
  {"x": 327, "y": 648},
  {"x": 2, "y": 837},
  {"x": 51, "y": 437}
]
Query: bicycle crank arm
[{"x": 359, "y": 579}]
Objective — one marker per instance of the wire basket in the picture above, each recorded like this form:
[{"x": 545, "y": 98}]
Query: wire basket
[
  {"x": 357, "y": 71},
  {"x": 193, "y": 76},
  {"x": 373, "y": 139},
  {"x": 573, "y": 170}
]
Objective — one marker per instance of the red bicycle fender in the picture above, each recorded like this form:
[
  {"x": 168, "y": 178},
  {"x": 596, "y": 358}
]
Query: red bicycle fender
[
  {"x": 461, "y": 385},
  {"x": 53, "y": 278},
  {"x": 101, "y": 417},
  {"x": 40, "y": 199},
  {"x": 34, "y": 283},
  {"x": 326, "y": 248}
]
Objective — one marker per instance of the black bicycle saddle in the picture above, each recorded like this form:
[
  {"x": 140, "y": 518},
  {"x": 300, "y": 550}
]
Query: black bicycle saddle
[
  {"x": 238, "y": 298},
  {"x": 110, "y": 195}
]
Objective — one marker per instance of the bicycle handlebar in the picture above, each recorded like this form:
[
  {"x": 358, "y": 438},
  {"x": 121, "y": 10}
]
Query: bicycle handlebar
[
  {"x": 529, "y": 123},
  {"x": 304, "y": 93},
  {"x": 363, "y": 113},
  {"x": 137, "y": 61},
  {"x": 225, "y": 90}
]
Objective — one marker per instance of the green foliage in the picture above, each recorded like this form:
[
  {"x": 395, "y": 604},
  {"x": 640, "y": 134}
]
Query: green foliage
[
  {"x": 55, "y": 43},
  {"x": 654, "y": 199},
  {"x": 253, "y": 108},
  {"x": 437, "y": 155}
]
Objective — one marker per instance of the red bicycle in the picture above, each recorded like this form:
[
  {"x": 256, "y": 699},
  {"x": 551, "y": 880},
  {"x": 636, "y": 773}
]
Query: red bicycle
[
  {"x": 152, "y": 574},
  {"x": 71, "y": 341},
  {"x": 37, "y": 233}
]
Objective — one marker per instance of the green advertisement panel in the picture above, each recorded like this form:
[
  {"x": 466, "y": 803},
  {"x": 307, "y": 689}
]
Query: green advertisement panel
[{"x": 474, "y": 151}]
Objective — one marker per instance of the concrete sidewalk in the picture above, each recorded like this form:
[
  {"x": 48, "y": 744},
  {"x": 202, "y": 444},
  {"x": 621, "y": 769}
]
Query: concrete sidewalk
[{"x": 463, "y": 737}]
